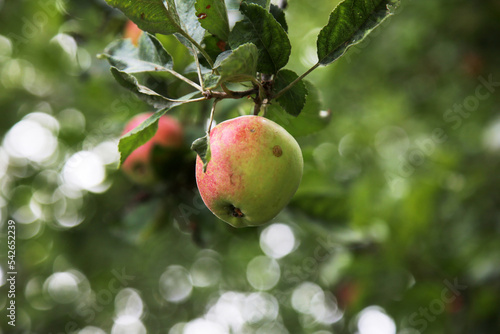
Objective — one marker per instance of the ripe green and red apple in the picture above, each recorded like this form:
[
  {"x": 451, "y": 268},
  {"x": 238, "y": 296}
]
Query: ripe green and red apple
[
  {"x": 139, "y": 164},
  {"x": 255, "y": 169}
]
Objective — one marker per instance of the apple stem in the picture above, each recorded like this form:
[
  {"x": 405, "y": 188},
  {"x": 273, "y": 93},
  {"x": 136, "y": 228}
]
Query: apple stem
[
  {"x": 259, "y": 96},
  {"x": 257, "y": 106}
]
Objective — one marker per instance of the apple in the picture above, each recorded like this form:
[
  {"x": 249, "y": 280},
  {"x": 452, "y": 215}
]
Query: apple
[
  {"x": 348, "y": 293},
  {"x": 138, "y": 165},
  {"x": 255, "y": 169},
  {"x": 132, "y": 31}
]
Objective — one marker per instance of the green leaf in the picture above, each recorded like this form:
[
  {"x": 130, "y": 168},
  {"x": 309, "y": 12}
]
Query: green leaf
[
  {"x": 310, "y": 120},
  {"x": 211, "y": 81},
  {"x": 261, "y": 28},
  {"x": 146, "y": 94},
  {"x": 140, "y": 135},
  {"x": 146, "y": 130},
  {"x": 164, "y": 17},
  {"x": 212, "y": 15},
  {"x": 233, "y": 66},
  {"x": 202, "y": 147},
  {"x": 294, "y": 99},
  {"x": 189, "y": 21},
  {"x": 154, "y": 16},
  {"x": 350, "y": 22},
  {"x": 213, "y": 47},
  {"x": 149, "y": 96},
  {"x": 148, "y": 56},
  {"x": 262, "y": 3},
  {"x": 238, "y": 65},
  {"x": 275, "y": 11},
  {"x": 279, "y": 15}
]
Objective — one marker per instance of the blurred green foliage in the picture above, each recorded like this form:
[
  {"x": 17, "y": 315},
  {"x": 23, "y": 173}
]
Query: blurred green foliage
[{"x": 395, "y": 227}]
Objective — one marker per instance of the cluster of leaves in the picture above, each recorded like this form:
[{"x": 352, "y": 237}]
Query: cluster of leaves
[{"x": 252, "y": 54}]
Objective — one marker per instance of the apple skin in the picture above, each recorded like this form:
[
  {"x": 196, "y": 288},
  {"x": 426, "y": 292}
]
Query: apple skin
[
  {"x": 132, "y": 31},
  {"x": 138, "y": 165},
  {"x": 255, "y": 169}
]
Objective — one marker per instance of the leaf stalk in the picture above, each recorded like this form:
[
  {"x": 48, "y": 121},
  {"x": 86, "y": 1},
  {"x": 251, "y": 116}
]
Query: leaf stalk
[{"x": 284, "y": 90}]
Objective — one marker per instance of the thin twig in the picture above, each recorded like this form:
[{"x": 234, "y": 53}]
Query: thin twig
[
  {"x": 257, "y": 105},
  {"x": 185, "y": 101},
  {"x": 198, "y": 67},
  {"x": 186, "y": 80},
  {"x": 259, "y": 98},
  {"x": 198, "y": 46},
  {"x": 205, "y": 54},
  {"x": 262, "y": 92},
  {"x": 229, "y": 94},
  {"x": 183, "y": 33},
  {"x": 225, "y": 89},
  {"x": 212, "y": 112}
]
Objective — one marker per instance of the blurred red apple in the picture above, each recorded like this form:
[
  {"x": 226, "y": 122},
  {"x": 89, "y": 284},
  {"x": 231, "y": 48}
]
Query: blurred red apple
[
  {"x": 138, "y": 165},
  {"x": 132, "y": 31}
]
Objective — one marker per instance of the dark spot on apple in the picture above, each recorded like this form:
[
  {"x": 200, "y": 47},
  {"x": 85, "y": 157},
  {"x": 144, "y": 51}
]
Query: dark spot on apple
[
  {"x": 277, "y": 151},
  {"x": 252, "y": 130},
  {"x": 234, "y": 179},
  {"x": 201, "y": 16},
  {"x": 236, "y": 212}
]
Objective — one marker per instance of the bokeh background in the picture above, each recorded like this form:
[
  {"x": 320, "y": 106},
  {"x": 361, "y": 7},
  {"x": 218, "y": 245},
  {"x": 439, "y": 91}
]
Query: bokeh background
[{"x": 394, "y": 229}]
